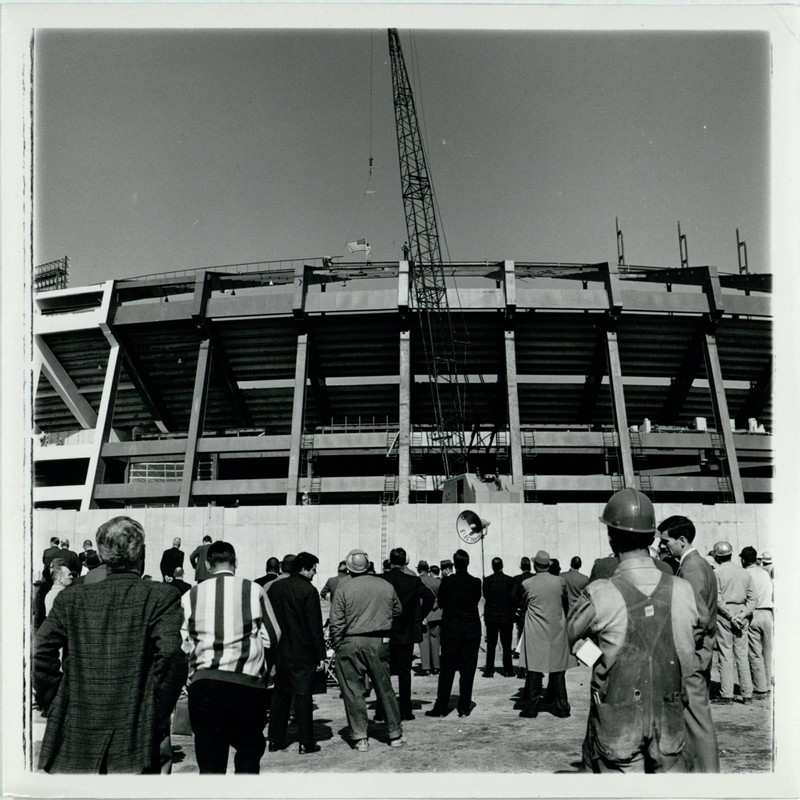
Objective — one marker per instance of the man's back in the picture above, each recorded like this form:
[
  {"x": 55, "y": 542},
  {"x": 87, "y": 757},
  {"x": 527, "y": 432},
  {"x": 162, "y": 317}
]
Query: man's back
[
  {"x": 500, "y": 597},
  {"x": 125, "y": 663},
  {"x": 458, "y": 598},
  {"x": 575, "y": 582},
  {"x": 734, "y": 582},
  {"x": 366, "y": 604},
  {"x": 407, "y": 627},
  {"x": 698, "y": 572}
]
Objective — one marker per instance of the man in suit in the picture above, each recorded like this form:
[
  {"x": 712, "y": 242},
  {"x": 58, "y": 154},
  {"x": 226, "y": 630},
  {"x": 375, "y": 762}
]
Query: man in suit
[
  {"x": 51, "y": 552},
  {"x": 286, "y": 571},
  {"x": 178, "y": 582},
  {"x": 109, "y": 712},
  {"x": 300, "y": 654},
  {"x": 499, "y": 611},
  {"x": 446, "y": 566},
  {"x": 525, "y": 566},
  {"x": 273, "y": 567},
  {"x": 70, "y": 558},
  {"x": 416, "y": 601},
  {"x": 86, "y": 552},
  {"x": 431, "y": 625},
  {"x": 171, "y": 559},
  {"x": 574, "y": 581},
  {"x": 197, "y": 559},
  {"x": 677, "y": 537},
  {"x": 545, "y": 648},
  {"x": 605, "y": 568},
  {"x": 459, "y": 596},
  {"x": 329, "y": 589}
]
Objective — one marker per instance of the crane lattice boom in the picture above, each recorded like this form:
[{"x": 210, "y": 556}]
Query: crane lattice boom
[{"x": 429, "y": 291}]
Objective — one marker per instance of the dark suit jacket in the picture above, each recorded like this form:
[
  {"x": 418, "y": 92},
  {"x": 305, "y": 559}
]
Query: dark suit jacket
[
  {"x": 302, "y": 645},
  {"x": 417, "y": 601},
  {"x": 265, "y": 579},
  {"x": 180, "y": 585},
  {"x": 458, "y": 598},
  {"x": 126, "y": 670},
  {"x": 47, "y": 556},
  {"x": 500, "y": 598},
  {"x": 575, "y": 582},
  {"x": 699, "y": 573},
  {"x": 198, "y": 561},
  {"x": 523, "y": 576},
  {"x": 70, "y": 559},
  {"x": 171, "y": 560}
]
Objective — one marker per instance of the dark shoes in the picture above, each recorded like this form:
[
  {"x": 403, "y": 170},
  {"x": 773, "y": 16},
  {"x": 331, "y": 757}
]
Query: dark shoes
[
  {"x": 530, "y": 711},
  {"x": 305, "y": 749},
  {"x": 407, "y": 717},
  {"x": 747, "y": 701},
  {"x": 464, "y": 713},
  {"x": 434, "y": 672},
  {"x": 435, "y": 712},
  {"x": 274, "y": 747},
  {"x": 488, "y": 674},
  {"x": 423, "y": 673}
]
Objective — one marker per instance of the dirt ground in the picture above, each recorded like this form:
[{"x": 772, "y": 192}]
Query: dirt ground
[{"x": 494, "y": 738}]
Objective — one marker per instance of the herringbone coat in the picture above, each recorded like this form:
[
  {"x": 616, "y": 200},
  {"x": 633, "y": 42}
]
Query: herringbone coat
[{"x": 108, "y": 668}]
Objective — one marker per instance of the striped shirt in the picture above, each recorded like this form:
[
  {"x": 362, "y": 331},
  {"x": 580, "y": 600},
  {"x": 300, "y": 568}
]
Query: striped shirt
[{"x": 228, "y": 622}]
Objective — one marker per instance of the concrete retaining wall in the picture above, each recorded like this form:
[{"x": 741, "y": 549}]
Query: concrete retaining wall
[{"x": 426, "y": 531}]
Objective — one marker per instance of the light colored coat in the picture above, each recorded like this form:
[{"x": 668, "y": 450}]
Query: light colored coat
[{"x": 544, "y": 639}]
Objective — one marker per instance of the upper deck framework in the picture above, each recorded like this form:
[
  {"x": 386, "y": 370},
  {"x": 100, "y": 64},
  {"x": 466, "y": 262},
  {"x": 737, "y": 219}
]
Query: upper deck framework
[{"x": 306, "y": 384}]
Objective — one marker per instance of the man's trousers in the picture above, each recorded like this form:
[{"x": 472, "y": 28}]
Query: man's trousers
[
  {"x": 429, "y": 648},
  {"x": 457, "y": 654},
  {"x": 760, "y": 649},
  {"x": 505, "y": 631},
  {"x": 357, "y": 659},
  {"x": 225, "y": 715},
  {"x": 279, "y": 717},
  {"x": 733, "y": 657},
  {"x": 701, "y": 737},
  {"x": 555, "y": 694}
]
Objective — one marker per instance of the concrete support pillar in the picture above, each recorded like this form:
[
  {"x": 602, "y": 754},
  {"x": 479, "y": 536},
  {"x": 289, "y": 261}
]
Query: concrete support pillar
[
  {"x": 618, "y": 406},
  {"x": 515, "y": 435},
  {"x": 721, "y": 415},
  {"x": 298, "y": 406},
  {"x": 199, "y": 397},
  {"x": 96, "y": 468},
  {"x": 404, "y": 442}
]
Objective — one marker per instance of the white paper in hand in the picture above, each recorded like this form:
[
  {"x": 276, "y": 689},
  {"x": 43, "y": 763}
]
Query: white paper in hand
[{"x": 587, "y": 652}]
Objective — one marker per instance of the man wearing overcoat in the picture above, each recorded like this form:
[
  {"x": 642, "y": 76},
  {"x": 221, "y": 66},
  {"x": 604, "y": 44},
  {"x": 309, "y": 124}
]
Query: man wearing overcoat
[
  {"x": 110, "y": 710},
  {"x": 458, "y": 598},
  {"x": 300, "y": 654},
  {"x": 544, "y": 640}
]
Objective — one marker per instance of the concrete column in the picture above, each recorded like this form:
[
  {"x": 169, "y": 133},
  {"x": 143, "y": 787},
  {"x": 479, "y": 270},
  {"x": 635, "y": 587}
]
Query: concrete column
[
  {"x": 199, "y": 397},
  {"x": 618, "y": 406},
  {"x": 96, "y": 468},
  {"x": 515, "y": 436},
  {"x": 721, "y": 415},
  {"x": 404, "y": 442},
  {"x": 298, "y": 406}
]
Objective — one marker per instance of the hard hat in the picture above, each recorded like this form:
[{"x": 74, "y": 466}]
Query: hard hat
[
  {"x": 721, "y": 549},
  {"x": 630, "y": 510},
  {"x": 766, "y": 557},
  {"x": 357, "y": 561}
]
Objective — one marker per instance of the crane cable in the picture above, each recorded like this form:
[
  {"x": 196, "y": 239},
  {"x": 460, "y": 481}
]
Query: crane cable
[{"x": 369, "y": 188}]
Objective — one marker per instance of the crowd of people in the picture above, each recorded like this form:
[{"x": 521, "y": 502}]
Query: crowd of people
[{"x": 245, "y": 655}]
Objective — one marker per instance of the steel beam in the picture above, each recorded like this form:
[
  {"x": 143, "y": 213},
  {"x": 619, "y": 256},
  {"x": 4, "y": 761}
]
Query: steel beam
[
  {"x": 404, "y": 443},
  {"x": 618, "y": 406},
  {"x": 682, "y": 383},
  {"x": 199, "y": 398},
  {"x": 102, "y": 428},
  {"x": 64, "y": 385},
  {"x": 723, "y": 420},
  {"x": 298, "y": 407}
]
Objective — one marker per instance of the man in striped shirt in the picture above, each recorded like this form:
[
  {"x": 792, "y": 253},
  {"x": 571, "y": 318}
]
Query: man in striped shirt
[{"x": 228, "y": 622}]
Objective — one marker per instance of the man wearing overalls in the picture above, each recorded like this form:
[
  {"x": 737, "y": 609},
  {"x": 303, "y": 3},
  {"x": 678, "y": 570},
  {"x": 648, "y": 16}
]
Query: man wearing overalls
[{"x": 645, "y": 624}]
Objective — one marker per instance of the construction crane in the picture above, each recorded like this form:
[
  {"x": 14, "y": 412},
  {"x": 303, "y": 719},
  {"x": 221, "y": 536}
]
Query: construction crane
[{"x": 428, "y": 289}]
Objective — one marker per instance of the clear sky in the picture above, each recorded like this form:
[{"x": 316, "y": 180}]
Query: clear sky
[{"x": 168, "y": 150}]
